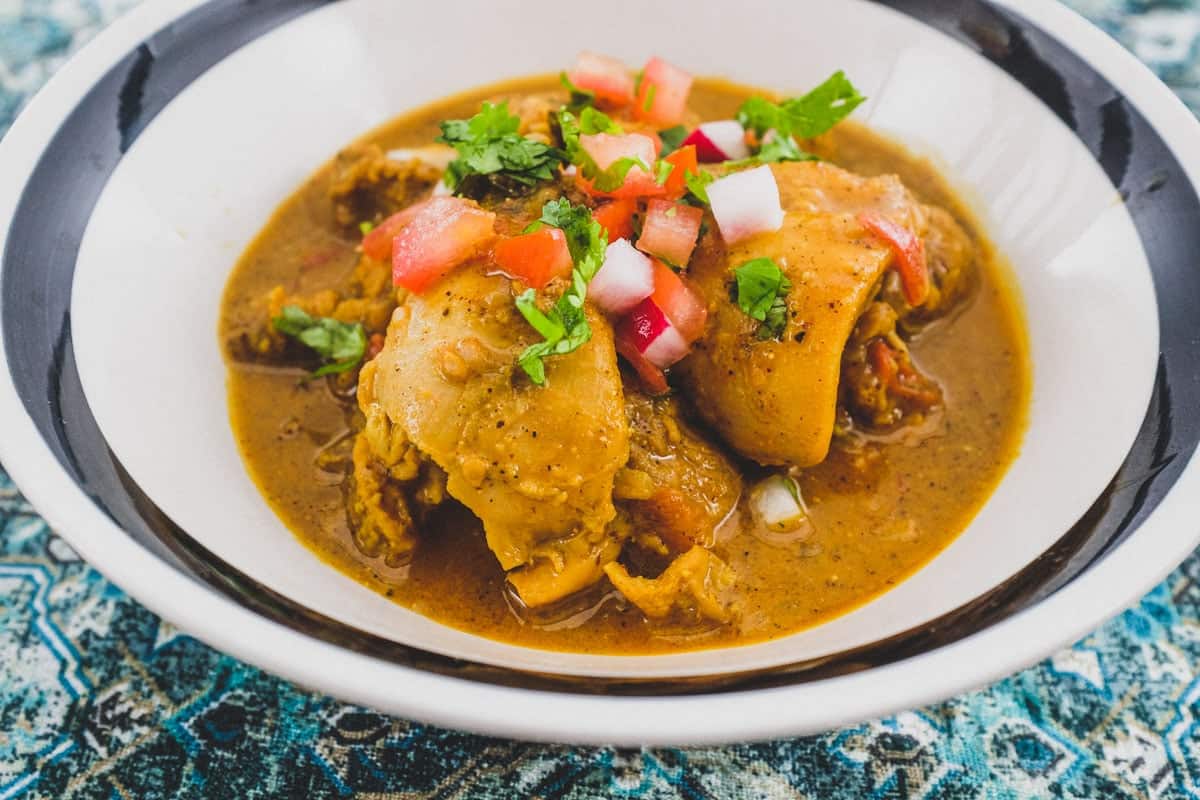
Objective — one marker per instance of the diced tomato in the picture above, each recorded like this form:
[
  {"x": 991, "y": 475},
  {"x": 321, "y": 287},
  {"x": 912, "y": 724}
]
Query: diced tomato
[
  {"x": 680, "y": 303},
  {"x": 884, "y": 362},
  {"x": 606, "y": 76},
  {"x": 616, "y": 217},
  {"x": 670, "y": 230},
  {"x": 683, "y": 161},
  {"x": 444, "y": 233},
  {"x": 535, "y": 258},
  {"x": 910, "y": 255},
  {"x": 606, "y": 149},
  {"x": 901, "y": 379},
  {"x": 652, "y": 378},
  {"x": 663, "y": 93},
  {"x": 377, "y": 244}
]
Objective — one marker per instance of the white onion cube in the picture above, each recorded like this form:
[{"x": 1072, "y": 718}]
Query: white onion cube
[
  {"x": 746, "y": 203},
  {"x": 625, "y": 279}
]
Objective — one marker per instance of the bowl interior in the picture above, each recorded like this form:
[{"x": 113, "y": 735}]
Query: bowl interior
[{"x": 203, "y": 177}]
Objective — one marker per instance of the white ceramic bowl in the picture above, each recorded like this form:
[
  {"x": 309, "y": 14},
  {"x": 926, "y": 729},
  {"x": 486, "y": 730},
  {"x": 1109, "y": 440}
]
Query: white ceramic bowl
[{"x": 147, "y": 165}]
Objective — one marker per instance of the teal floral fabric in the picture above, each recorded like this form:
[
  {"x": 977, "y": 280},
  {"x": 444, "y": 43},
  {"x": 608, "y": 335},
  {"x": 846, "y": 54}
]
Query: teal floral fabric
[{"x": 101, "y": 699}]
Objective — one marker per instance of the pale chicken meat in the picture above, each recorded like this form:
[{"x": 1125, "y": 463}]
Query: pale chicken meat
[
  {"x": 536, "y": 464},
  {"x": 775, "y": 401}
]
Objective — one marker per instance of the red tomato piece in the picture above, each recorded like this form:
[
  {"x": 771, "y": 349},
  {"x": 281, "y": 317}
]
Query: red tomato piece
[
  {"x": 534, "y": 258},
  {"x": 606, "y": 149},
  {"x": 616, "y": 217},
  {"x": 377, "y": 244},
  {"x": 680, "y": 303},
  {"x": 607, "y": 77},
  {"x": 670, "y": 230},
  {"x": 652, "y": 378},
  {"x": 443, "y": 234},
  {"x": 683, "y": 161},
  {"x": 663, "y": 93},
  {"x": 910, "y": 255}
]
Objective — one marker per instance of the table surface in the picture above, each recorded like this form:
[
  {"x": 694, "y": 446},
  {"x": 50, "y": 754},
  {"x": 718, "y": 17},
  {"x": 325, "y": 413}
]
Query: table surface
[{"x": 101, "y": 699}]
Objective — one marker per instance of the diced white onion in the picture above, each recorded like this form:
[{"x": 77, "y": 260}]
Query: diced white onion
[
  {"x": 746, "y": 203},
  {"x": 729, "y": 137},
  {"x": 775, "y": 502},
  {"x": 667, "y": 348},
  {"x": 625, "y": 279},
  {"x": 440, "y": 189}
]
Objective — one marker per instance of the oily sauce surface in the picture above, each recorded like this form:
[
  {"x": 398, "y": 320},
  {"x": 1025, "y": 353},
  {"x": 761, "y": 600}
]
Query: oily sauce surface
[{"x": 880, "y": 510}]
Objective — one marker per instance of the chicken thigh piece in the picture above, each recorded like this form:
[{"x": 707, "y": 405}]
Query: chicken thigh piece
[
  {"x": 776, "y": 401},
  {"x": 535, "y": 463}
]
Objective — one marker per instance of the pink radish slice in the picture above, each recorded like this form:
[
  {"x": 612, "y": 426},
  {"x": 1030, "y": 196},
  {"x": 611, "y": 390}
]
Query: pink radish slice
[
  {"x": 746, "y": 203},
  {"x": 625, "y": 279},
  {"x": 647, "y": 328},
  {"x": 719, "y": 141}
]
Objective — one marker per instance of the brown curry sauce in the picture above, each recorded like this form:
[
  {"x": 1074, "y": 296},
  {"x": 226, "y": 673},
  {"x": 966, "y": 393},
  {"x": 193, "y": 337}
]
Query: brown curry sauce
[{"x": 879, "y": 511}]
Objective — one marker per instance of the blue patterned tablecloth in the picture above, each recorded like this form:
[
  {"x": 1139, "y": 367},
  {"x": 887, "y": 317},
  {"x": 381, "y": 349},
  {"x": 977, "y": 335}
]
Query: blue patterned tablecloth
[{"x": 101, "y": 699}]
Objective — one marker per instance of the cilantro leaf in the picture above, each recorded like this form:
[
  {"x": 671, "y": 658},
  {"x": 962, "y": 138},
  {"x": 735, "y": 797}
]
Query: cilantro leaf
[
  {"x": 823, "y": 107},
  {"x": 492, "y": 155},
  {"x": 605, "y": 180},
  {"x": 585, "y": 238},
  {"x": 340, "y": 344},
  {"x": 798, "y": 118},
  {"x": 663, "y": 171},
  {"x": 672, "y": 138},
  {"x": 579, "y": 97},
  {"x": 782, "y": 148},
  {"x": 593, "y": 121},
  {"x": 759, "y": 115},
  {"x": 548, "y": 328},
  {"x": 760, "y": 290},
  {"x": 697, "y": 184},
  {"x": 564, "y": 328}
]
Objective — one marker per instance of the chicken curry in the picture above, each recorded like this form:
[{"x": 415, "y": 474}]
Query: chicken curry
[{"x": 624, "y": 363}]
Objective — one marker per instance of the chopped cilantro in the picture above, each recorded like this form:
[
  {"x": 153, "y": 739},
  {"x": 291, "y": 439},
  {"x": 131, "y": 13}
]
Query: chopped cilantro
[
  {"x": 492, "y": 155},
  {"x": 697, "y": 184},
  {"x": 579, "y": 97},
  {"x": 605, "y": 180},
  {"x": 648, "y": 103},
  {"x": 593, "y": 121},
  {"x": 782, "y": 148},
  {"x": 564, "y": 328},
  {"x": 663, "y": 171},
  {"x": 585, "y": 237},
  {"x": 672, "y": 138},
  {"x": 799, "y": 117},
  {"x": 806, "y": 116},
  {"x": 761, "y": 287},
  {"x": 340, "y": 344}
]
